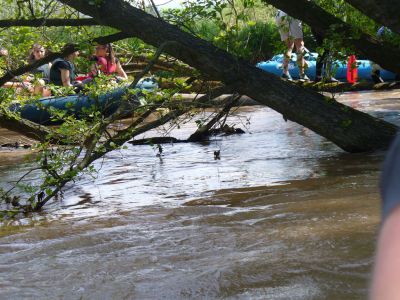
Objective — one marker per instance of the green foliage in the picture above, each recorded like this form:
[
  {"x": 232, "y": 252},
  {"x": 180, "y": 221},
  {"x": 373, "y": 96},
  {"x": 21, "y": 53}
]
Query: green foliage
[
  {"x": 359, "y": 22},
  {"x": 230, "y": 25},
  {"x": 6, "y": 96},
  {"x": 342, "y": 10},
  {"x": 59, "y": 164},
  {"x": 260, "y": 40}
]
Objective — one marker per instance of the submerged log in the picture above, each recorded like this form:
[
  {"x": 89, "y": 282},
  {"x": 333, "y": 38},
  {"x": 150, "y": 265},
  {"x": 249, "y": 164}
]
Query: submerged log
[
  {"x": 157, "y": 140},
  {"x": 350, "y": 129},
  {"x": 204, "y": 131}
]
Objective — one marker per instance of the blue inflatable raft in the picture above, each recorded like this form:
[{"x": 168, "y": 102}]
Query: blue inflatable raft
[
  {"x": 39, "y": 111},
  {"x": 339, "y": 68}
]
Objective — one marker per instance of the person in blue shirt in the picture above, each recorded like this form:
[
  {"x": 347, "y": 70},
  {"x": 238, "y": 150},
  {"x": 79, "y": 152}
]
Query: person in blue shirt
[
  {"x": 386, "y": 275},
  {"x": 375, "y": 68}
]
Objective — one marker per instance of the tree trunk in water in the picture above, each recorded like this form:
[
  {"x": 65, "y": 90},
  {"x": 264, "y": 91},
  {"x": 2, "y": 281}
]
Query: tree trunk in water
[
  {"x": 385, "y": 54},
  {"x": 25, "y": 127},
  {"x": 351, "y": 130},
  {"x": 385, "y": 12}
]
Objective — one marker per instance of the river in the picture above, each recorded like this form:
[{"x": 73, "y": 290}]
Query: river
[{"x": 284, "y": 214}]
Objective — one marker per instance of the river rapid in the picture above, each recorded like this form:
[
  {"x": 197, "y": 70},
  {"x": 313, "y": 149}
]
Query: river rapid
[{"x": 284, "y": 214}]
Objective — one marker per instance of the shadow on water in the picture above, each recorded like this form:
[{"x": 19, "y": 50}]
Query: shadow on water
[{"x": 284, "y": 214}]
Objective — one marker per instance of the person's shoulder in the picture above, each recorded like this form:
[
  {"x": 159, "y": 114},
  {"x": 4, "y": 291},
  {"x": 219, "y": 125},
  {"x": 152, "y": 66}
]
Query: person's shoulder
[
  {"x": 44, "y": 66},
  {"x": 61, "y": 64}
]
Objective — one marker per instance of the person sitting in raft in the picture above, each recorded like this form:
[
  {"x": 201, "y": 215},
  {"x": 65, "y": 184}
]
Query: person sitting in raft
[
  {"x": 18, "y": 85},
  {"x": 62, "y": 72},
  {"x": 3, "y": 55},
  {"x": 36, "y": 53},
  {"x": 375, "y": 68},
  {"x": 3, "y": 59},
  {"x": 107, "y": 63}
]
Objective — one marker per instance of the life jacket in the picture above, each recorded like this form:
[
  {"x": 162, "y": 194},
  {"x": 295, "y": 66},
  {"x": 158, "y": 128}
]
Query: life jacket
[
  {"x": 55, "y": 74},
  {"x": 352, "y": 73},
  {"x": 105, "y": 66},
  {"x": 63, "y": 60}
]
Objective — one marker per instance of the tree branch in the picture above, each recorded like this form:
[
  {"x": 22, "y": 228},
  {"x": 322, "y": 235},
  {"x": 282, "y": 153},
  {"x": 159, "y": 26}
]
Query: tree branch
[
  {"x": 203, "y": 130},
  {"x": 132, "y": 131},
  {"x": 47, "y": 22}
]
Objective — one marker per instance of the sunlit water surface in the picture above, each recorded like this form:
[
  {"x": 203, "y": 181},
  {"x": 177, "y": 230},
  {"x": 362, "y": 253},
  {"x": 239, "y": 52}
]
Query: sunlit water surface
[{"x": 284, "y": 214}]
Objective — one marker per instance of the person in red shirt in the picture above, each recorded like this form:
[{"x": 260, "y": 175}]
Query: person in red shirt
[{"x": 107, "y": 63}]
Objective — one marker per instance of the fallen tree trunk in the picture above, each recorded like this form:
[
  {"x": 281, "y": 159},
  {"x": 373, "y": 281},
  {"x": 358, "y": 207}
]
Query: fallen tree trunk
[
  {"x": 385, "y": 54},
  {"x": 28, "y": 128},
  {"x": 351, "y": 130}
]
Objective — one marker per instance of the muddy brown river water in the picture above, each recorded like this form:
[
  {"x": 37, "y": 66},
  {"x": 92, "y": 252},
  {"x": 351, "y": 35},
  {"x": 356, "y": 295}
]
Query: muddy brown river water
[{"x": 284, "y": 214}]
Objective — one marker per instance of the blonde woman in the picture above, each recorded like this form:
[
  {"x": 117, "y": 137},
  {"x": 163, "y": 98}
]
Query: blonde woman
[{"x": 36, "y": 53}]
